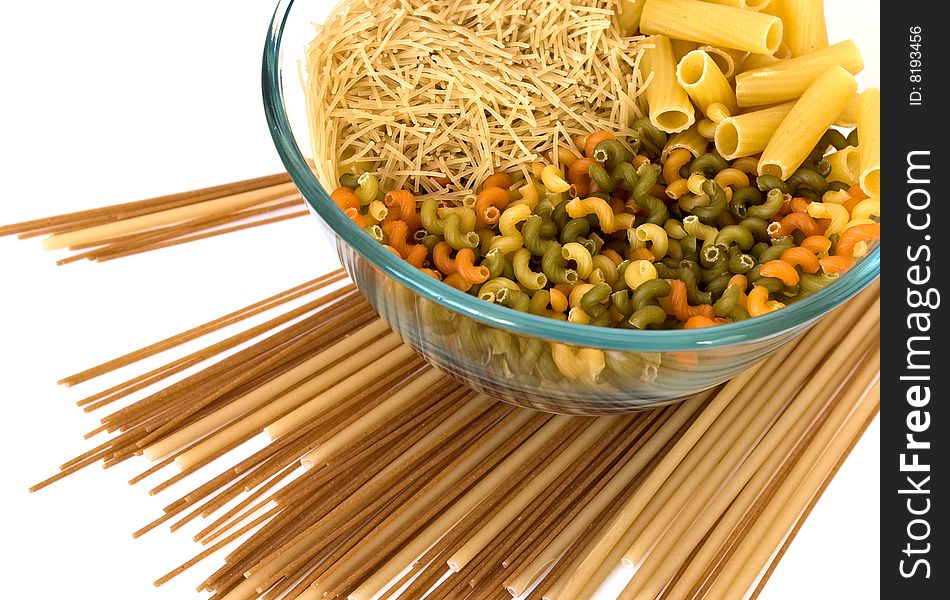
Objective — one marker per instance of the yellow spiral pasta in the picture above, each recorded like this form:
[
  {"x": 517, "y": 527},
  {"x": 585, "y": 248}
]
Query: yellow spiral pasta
[
  {"x": 580, "y": 255},
  {"x": 510, "y": 239},
  {"x": 658, "y": 238}
]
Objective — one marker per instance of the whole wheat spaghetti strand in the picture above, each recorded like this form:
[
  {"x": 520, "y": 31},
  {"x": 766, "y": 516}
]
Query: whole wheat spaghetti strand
[
  {"x": 654, "y": 574},
  {"x": 814, "y": 501},
  {"x": 182, "y": 233},
  {"x": 149, "y": 236},
  {"x": 471, "y": 465},
  {"x": 198, "y": 236},
  {"x": 121, "y": 390},
  {"x": 507, "y": 441},
  {"x": 796, "y": 492},
  {"x": 120, "y": 211},
  {"x": 165, "y": 217},
  {"x": 301, "y": 290},
  {"x": 779, "y": 444},
  {"x": 520, "y": 579}
]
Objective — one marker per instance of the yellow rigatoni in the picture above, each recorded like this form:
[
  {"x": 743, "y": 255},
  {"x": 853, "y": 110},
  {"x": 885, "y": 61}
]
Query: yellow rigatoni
[
  {"x": 845, "y": 165},
  {"x": 811, "y": 117},
  {"x": 869, "y": 141},
  {"x": 805, "y": 29},
  {"x": 708, "y": 23},
  {"x": 750, "y": 133},
  {"x": 670, "y": 108},
  {"x": 788, "y": 79},
  {"x": 705, "y": 83},
  {"x": 690, "y": 140}
]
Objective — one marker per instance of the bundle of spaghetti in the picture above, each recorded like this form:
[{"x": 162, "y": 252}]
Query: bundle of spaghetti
[
  {"x": 376, "y": 486},
  {"x": 120, "y": 230}
]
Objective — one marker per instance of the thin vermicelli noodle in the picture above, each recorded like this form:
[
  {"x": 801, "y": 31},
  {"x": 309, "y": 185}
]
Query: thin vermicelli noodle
[{"x": 436, "y": 96}]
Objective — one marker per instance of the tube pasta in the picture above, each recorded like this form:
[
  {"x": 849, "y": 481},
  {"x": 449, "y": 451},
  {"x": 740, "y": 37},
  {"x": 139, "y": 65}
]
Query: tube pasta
[
  {"x": 727, "y": 59},
  {"x": 628, "y": 14},
  {"x": 682, "y": 47},
  {"x": 845, "y": 165},
  {"x": 708, "y": 23},
  {"x": 690, "y": 140},
  {"x": 808, "y": 120},
  {"x": 749, "y": 134},
  {"x": 747, "y": 4},
  {"x": 669, "y": 105},
  {"x": 849, "y": 116},
  {"x": 805, "y": 27},
  {"x": 869, "y": 149},
  {"x": 788, "y": 79},
  {"x": 865, "y": 209},
  {"x": 704, "y": 82}
]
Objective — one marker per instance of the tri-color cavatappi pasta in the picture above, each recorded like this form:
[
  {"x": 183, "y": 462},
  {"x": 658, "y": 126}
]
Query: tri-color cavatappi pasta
[{"x": 757, "y": 199}]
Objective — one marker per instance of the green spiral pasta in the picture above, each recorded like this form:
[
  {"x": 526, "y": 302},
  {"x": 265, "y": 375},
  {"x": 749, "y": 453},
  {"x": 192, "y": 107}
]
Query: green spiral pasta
[
  {"x": 717, "y": 202},
  {"x": 742, "y": 198},
  {"x": 554, "y": 266},
  {"x": 708, "y": 164},
  {"x": 647, "y": 316},
  {"x": 773, "y": 203},
  {"x": 429, "y": 214},
  {"x": 592, "y": 304}
]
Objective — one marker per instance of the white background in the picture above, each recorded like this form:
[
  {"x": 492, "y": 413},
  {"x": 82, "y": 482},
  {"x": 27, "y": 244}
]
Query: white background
[{"x": 109, "y": 101}]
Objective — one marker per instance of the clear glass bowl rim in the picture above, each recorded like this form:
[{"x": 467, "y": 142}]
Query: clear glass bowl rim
[{"x": 751, "y": 330}]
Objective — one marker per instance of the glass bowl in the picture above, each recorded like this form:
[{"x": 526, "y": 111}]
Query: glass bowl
[{"x": 520, "y": 358}]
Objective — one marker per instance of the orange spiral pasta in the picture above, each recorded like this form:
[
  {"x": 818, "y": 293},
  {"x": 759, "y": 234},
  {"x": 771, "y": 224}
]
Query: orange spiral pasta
[
  {"x": 675, "y": 162},
  {"x": 500, "y": 180},
  {"x": 639, "y": 160},
  {"x": 458, "y": 282},
  {"x": 594, "y": 139},
  {"x": 817, "y": 244},
  {"x": 759, "y": 303},
  {"x": 559, "y": 300},
  {"x": 345, "y": 198},
  {"x": 416, "y": 255},
  {"x": 795, "y": 222},
  {"x": 801, "y": 257},
  {"x": 781, "y": 270},
  {"x": 489, "y": 203},
  {"x": 677, "y": 189},
  {"x": 680, "y": 304},
  {"x": 613, "y": 255},
  {"x": 698, "y": 322},
  {"x": 853, "y": 235},
  {"x": 578, "y": 177},
  {"x": 393, "y": 250},
  {"x": 741, "y": 282},
  {"x": 432, "y": 273},
  {"x": 407, "y": 207},
  {"x": 398, "y": 233},
  {"x": 798, "y": 205},
  {"x": 641, "y": 253},
  {"x": 465, "y": 263},
  {"x": 563, "y": 156},
  {"x": 355, "y": 216},
  {"x": 442, "y": 258},
  {"x": 833, "y": 265}
]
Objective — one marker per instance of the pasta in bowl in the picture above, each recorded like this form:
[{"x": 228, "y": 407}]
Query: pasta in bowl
[{"x": 580, "y": 245}]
